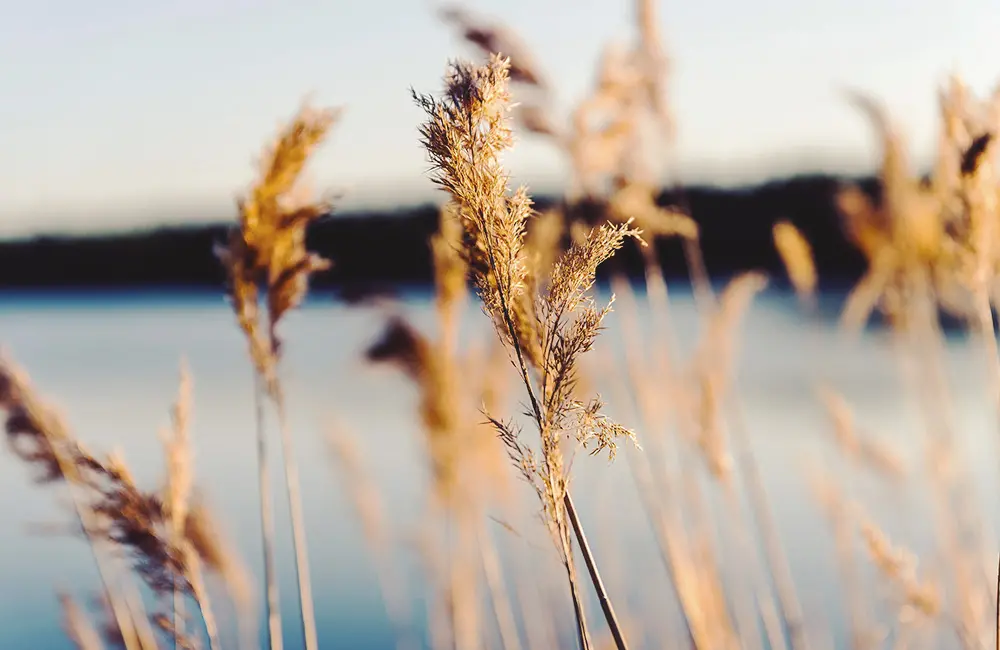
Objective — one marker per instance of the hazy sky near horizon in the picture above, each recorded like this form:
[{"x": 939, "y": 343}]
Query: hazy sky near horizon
[{"x": 118, "y": 113}]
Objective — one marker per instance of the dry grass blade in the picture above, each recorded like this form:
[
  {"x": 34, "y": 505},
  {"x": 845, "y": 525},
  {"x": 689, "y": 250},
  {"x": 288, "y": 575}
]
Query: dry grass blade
[
  {"x": 864, "y": 449},
  {"x": 797, "y": 255},
  {"x": 210, "y": 547},
  {"x": 900, "y": 567},
  {"x": 655, "y": 63},
  {"x": 712, "y": 368},
  {"x": 78, "y": 627},
  {"x": 177, "y": 449}
]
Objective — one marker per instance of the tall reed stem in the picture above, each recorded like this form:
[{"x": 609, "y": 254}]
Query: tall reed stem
[
  {"x": 767, "y": 529},
  {"x": 509, "y": 639},
  {"x": 123, "y": 618},
  {"x": 133, "y": 603},
  {"x": 308, "y": 616},
  {"x": 595, "y": 576},
  {"x": 984, "y": 316},
  {"x": 272, "y": 606},
  {"x": 583, "y": 636},
  {"x": 178, "y": 613},
  {"x": 207, "y": 614},
  {"x": 774, "y": 554}
]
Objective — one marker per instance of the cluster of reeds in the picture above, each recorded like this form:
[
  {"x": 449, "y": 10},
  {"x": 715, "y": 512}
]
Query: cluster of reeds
[
  {"x": 930, "y": 244},
  {"x": 167, "y": 537}
]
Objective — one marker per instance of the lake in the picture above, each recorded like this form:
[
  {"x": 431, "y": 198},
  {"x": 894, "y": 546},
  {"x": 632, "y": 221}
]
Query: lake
[{"x": 110, "y": 363}]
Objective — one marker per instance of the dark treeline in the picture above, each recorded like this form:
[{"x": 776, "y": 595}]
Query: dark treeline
[{"x": 372, "y": 250}]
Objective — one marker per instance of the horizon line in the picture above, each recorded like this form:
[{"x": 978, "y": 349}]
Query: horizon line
[{"x": 155, "y": 213}]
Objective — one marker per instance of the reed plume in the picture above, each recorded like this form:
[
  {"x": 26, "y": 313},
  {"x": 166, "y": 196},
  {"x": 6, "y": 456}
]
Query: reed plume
[
  {"x": 266, "y": 252},
  {"x": 171, "y": 535},
  {"x": 545, "y": 328}
]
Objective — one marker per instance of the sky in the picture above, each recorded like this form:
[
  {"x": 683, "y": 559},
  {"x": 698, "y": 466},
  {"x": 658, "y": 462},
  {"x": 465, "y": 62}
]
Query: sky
[{"x": 120, "y": 114}]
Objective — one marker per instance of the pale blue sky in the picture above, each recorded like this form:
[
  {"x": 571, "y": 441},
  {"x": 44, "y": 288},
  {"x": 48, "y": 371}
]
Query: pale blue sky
[{"x": 121, "y": 112}]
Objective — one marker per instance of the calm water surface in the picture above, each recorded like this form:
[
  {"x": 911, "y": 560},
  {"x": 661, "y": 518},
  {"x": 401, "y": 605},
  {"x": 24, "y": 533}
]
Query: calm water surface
[{"x": 110, "y": 363}]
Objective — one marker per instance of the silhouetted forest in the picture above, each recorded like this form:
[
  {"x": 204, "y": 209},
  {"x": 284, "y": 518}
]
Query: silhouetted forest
[{"x": 382, "y": 250}]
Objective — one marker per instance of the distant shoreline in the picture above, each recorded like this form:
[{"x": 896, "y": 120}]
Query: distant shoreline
[{"x": 387, "y": 249}]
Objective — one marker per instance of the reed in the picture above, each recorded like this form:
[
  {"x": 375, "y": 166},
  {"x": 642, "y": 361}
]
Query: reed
[{"x": 266, "y": 259}]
